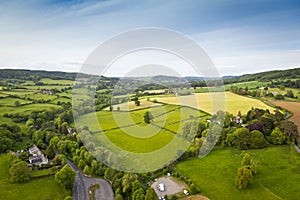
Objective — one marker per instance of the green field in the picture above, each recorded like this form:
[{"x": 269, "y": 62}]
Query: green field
[
  {"x": 38, "y": 189},
  {"x": 37, "y": 96},
  {"x": 9, "y": 101},
  {"x": 122, "y": 139},
  {"x": 128, "y": 131},
  {"x": 249, "y": 84},
  {"x": 48, "y": 81},
  {"x": 27, "y": 109},
  {"x": 277, "y": 177}
]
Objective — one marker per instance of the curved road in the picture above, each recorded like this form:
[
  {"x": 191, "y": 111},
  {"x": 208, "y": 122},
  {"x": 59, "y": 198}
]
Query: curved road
[{"x": 82, "y": 184}]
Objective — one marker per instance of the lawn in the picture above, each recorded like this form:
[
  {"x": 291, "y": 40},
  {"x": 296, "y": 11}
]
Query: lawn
[
  {"x": 38, "y": 189},
  {"x": 277, "y": 177},
  {"x": 234, "y": 103}
]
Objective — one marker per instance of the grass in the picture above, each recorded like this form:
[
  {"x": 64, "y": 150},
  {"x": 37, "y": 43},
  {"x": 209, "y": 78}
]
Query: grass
[
  {"x": 48, "y": 81},
  {"x": 283, "y": 92},
  {"x": 61, "y": 100},
  {"x": 9, "y": 101},
  {"x": 38, "y": 189},
  {"x": 277, "y": 177},
  {"x": 27, "y": 109},
  {"x": 131, "y": 105},
  {"x": 139, "y": 144},
  {"x": 233, "y": 102},
  {"x": 44, "y": 97},
  {"x": 43, "y": 172},
  {"x": 20, "y": 93},
  {"x": 249, "y": 84}
]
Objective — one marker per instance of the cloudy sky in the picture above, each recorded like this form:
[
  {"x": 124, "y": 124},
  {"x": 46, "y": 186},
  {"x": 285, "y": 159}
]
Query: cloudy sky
[{"x": 240, "y": 36}]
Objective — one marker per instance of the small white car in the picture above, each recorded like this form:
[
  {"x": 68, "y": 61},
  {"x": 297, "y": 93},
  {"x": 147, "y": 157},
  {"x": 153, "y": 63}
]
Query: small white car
[
  {"x": 186, "y": 192},
  {"x": 161, "y": 187}
]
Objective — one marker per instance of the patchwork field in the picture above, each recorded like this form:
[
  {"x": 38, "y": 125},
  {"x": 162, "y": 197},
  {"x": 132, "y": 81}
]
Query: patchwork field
[
  {"x": 128, "y": 130},
  {"x": 43, "y": 188},
  {"x": 277, "y": 176},
  {"x": 204, "y": 101}
]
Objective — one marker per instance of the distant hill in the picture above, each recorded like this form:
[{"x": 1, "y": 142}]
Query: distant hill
[{"x": 266, "y": 76}]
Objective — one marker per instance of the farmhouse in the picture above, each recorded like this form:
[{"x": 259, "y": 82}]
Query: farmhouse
[
  {"x": 37, "y": 157},
  {"x": 49, "y": 92}
]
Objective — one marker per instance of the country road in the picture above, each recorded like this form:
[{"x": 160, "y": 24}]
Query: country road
[{"x": 82, "y": 184}]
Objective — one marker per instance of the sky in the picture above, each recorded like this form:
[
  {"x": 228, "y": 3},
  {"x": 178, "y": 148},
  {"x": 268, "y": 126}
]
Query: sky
[{"x": 240, "y": 36}]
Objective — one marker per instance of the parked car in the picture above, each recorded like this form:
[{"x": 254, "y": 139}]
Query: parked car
[{"x": 186, "y": 192}]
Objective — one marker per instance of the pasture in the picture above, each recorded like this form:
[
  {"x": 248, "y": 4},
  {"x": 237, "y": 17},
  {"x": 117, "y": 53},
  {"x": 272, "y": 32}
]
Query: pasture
[
  {"x": 43, "y": 188},
  {"x": 131, "y": 105},
  {"x": 27, "y": 109},
  {"x": 48, "y": 81},
  {"x": 212, "y": 102},
  {"x": 250, "y": 84},
  {"x": 278, "y": 174},
  {"x": 10, "y": 101}
]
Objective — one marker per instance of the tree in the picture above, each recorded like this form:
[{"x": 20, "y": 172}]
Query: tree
[
  {"x": 290, "y": 129},
  {"x": 147, "y": 117},
  {"x": 242, "y": 140},
  {"x": 249, "y": 163},
  {"x": 138, "y": 194},
  {"x": 278, "y": 137},
  {"x": 19, "y": 172},
  {"x": 118, "y": 197},
  {"x": 65, "y": 177},
  {"x": 5, "y": 144},
  {"x": 150, "y": 194},
  {"x": 50, "y": 152},
  {"x": 17, "y": 103},
  {"x": 289, "y": 93},
  {"x": 243, "y": 178},
  {"x": 193, "y": 189},
  {"x": 279, "y": 97},
  {"x": 257, "y": 140},
  {"x": 127, "y": 181}
]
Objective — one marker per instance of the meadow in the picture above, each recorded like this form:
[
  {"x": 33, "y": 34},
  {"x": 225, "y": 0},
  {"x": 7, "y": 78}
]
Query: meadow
[
  {"x": 48, "y": 81},
  {"x": 250, "y": 84},
  {"x": 278, "y": 173},
  {"x": 233, "y": 103},
  {"x": 10, "y": 101},
  {"x": 37, "y": 189}
]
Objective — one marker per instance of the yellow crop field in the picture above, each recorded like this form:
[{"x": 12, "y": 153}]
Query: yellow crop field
[{"x": 212, "y": 102}]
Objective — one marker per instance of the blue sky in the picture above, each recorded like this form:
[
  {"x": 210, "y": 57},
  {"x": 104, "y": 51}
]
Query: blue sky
[{"x": 240, "y": 36}]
